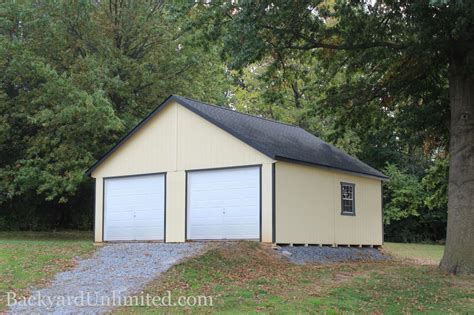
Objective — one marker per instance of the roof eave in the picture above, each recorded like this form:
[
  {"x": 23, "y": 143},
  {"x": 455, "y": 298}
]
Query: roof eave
[{"x": 285, "y": 159}]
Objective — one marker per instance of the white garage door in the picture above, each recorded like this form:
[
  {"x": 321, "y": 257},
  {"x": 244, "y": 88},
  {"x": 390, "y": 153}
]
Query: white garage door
[
  {"x": 223, "y": 204},
  {"x": 134, "y": 208}
]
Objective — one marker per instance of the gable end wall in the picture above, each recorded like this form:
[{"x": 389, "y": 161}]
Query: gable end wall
[{"x": 173, "y": 141}]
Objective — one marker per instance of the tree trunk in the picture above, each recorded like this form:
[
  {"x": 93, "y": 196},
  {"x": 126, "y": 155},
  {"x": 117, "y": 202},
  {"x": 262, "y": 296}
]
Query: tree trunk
[{"x": 459, "y": 252}]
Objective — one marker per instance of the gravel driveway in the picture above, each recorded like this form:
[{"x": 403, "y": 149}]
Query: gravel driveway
[{"x": 113, "y": 270}]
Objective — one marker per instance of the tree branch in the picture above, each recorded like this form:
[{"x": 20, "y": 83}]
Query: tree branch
[{"x": 314, "y": 44}]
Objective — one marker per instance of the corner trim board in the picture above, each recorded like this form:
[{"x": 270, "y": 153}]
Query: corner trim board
[
  {"x": 103, "y": 209},
  {"x": 381, "y": 202},
  {"x": 94, "y": 198},
  {"x": 186, "y": 207},
  {"x": 165, "y": 207},
  {"x": 260, "y": 201},
  {"x": 273, "y": 203}
]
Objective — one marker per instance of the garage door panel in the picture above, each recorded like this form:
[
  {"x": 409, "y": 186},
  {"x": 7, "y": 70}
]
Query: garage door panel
[
  {"x": 148, "y": 214},
  {"x": 240, "y": 231},
  {"x": 224, "y": 186},
  {"x": 241, "y": 219},
  {"x": 200, "y": 220},
  {"x": 119, "y": 233},
  {"x": 207, "y": 232},
  {"x": 126, "y": 203},
  {"x": 242, "y": 202},
  {"x": 119, "y": 224},
  {"x": 149, "y": 233},
  {"x": 122, "y": 221},
  {"x": 206, "y": 204},
  {"x": 224, "y": 204},
  {"x": 149, "y": 205},
  {"x": 207, "y": 223},
  {"x": 241, "y": 212},
  {"x": 235, "y": 198},
  {"x": 148, "y": 223},
  {"x": 134, "y": 208}
]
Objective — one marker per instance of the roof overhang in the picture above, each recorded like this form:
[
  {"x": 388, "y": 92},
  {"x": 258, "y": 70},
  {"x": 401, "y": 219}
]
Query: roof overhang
[{"x": 284, "y": 159}]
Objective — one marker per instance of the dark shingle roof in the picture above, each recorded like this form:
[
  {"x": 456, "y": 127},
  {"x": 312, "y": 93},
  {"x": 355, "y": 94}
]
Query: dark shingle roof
[{"x": 277, "y": 140}]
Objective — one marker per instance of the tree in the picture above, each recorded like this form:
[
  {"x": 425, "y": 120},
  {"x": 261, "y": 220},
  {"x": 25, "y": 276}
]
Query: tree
[
  {"x": 407, "y": 53},
  {"x": 75, "y": 76},
  {"x": 415, "y": 203}
]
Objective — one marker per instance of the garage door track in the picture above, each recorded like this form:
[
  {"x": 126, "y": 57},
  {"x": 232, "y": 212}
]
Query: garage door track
[{"x": 115, "y": 270}]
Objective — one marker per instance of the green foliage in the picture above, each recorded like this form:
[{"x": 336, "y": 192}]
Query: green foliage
[
  {"x": 404, "y": 193},
  {"x": 366, "y": 76},
  {"x": 76, "y": 76},
  {"x": 436, "y": 184},
  {"x": 416, "y": 204},
  {"x": 371, "y": 77}
]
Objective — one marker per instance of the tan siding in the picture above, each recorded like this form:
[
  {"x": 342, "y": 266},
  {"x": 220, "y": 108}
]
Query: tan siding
[
  {"x": 366, "y": 226},
  {"x": 267, "y": 209},
  {"x": 176, "y": 140},
  {"x": 304, "y": 204},
  {"x": 150, "y": 150},
  {"x": 308, "y": 207},
  {"x": 175, "y": 206},
  {"x": 203, "y": 145},
  {"x": 99, "y": 186}
]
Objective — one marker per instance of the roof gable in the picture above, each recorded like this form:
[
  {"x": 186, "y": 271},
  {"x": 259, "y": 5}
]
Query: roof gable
[{"x": 276, "y": 140}]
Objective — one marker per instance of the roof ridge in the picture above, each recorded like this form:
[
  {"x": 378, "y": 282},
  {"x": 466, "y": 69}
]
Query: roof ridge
[{"x": 239, "y": 112}]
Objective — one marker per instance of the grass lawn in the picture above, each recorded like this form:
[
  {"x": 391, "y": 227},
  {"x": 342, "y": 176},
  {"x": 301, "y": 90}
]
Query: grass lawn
[
  {"x": 248, "y": 277},
  {"x": 427, "y": 252},
  {"x": 32, "y": 258}
]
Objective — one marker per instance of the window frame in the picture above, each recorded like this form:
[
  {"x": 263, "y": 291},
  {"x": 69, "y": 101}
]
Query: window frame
[{"x": 353, "y": 212}]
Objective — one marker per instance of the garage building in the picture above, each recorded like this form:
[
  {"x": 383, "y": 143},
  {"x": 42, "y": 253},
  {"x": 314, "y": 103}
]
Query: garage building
[{"x": 192, "y": 171}]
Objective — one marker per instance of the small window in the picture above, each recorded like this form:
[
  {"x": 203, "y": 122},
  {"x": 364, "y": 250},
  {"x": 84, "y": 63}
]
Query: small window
[{"x": 348, "y": 199}]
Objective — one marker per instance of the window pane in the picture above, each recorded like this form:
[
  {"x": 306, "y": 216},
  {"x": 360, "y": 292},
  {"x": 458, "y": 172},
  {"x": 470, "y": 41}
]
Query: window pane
[
  {"x": 347, "y": 205},
  {"x": 347, "y": 192}
]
